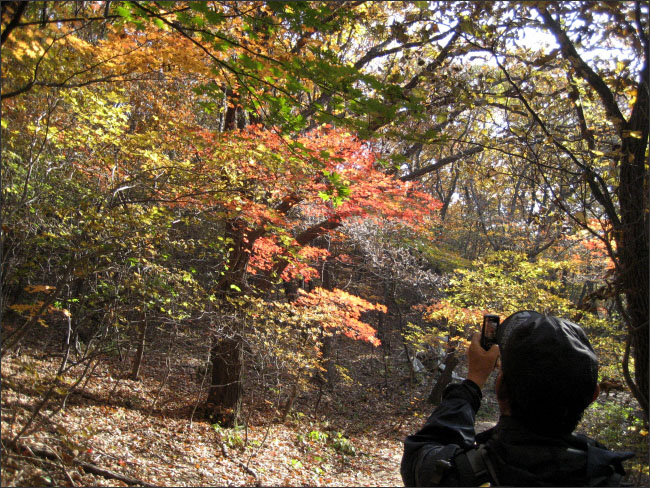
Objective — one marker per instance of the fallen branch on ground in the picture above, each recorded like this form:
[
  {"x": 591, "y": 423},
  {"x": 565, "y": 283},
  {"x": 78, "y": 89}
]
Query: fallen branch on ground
[
  {"x": 248, "y": 469},
  {"x": 88, "y": 467}
]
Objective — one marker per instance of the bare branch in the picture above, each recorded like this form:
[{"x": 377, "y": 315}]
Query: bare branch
[
  {"x": 19, "y": 9},
  {"x": 583, "y": 69},
  {"x": 441, "y": 162}
]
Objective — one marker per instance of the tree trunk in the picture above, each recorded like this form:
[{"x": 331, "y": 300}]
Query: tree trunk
[
  {"x": 225, "y": 397},
  {"x": 135, "y": 372},
  {"x": 409, "y": 360},
  {"x": 451, "y": 361},
  {"x": 328, "y": 361},
  {"x": 290, "y": 401},
  {"x": 632, "y": 243},
  {"x": 226, "y": 353},
  {"x": 634, "y": 277},
  {"x": 328, "y": 342},
  {"x": 632, "y": 227}
]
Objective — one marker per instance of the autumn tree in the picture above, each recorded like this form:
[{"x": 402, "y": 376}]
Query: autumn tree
[
  {"x": 595, "y": 144},
  {"x": 554, "y": 137},
  {"x": 148, "y": 145},
  {"x": 561, "y": 132},
  {"x": 279, "y": 204}
]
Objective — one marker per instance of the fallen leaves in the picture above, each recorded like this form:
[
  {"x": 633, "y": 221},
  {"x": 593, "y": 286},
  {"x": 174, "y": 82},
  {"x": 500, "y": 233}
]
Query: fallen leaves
[{"x": 168, "y": 450}]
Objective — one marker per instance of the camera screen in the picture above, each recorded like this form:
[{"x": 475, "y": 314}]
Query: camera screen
[{"x": 490, "y": 328}]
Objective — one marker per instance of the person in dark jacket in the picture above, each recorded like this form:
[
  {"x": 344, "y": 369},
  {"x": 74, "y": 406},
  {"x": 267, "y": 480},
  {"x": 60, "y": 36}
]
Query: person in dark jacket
[{"x": 548, "y": 376}]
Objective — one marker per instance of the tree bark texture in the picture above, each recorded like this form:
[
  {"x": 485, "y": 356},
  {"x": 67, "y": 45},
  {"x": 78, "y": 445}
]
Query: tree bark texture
[
  {"x": 139, "y": 355},
  {"x": 633, "y": 237},
  {"x": 451, "y": 361},
  {"x": 225, "y": 397}
]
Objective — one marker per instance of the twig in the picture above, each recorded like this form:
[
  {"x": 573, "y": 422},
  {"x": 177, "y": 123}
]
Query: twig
[
  {"x": 35, "y": 413},
  {"x": 88, "y": 467},
  {"x": 162, "y": 385},
  {"x": 393, "y": 428},
  {"x": 107, "y": 473},
  {"x": 92, "y": 371},
  {"x": 62, "y": 466},
  {"x": 198, "y": 399},
  {"x": 248, "y": 469},
  {"x": 266, "y": 435},
  {"x": 31, "y": 457},
  {"x": 170, "y": 348}
]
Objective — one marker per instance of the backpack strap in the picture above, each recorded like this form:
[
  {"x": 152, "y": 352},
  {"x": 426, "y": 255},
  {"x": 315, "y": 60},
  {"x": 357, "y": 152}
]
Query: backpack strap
[
  {"x": 604, "y": 467},
  {"x": 475, "y": 468},
  {"x": 615, "y": 479}
]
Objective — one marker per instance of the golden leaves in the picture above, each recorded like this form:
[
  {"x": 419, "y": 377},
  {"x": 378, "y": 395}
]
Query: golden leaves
[{"x": 33, "y": 49}]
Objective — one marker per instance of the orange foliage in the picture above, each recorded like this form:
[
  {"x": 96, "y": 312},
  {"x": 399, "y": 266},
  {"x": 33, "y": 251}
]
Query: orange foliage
[
  {"x": 271, "y": 184},
  {"x": 342, "y": 311},
  {"x": 595, "y": 249},
  {"x": 275, "y": 178}
]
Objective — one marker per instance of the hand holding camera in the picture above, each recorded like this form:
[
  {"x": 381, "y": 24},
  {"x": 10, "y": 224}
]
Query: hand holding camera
[{"x": 483, "y": 352}]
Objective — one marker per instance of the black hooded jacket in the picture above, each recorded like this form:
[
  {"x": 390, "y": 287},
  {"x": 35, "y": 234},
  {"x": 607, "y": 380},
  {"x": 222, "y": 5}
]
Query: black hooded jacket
[{"x": 437, "y": 454}]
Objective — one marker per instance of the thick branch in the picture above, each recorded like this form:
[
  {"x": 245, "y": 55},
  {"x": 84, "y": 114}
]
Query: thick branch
[
  {"x": 587, "y": 135},
  {"x": 639, "y": 118},
  {"x": 429, "y": 68},
  {"x": 89, "y": 467},
  {"x": 470, "y": 194},
  {"x": 288, "y": 203},
  {"x": 317, "y": 230},
  {"x": 440, "y": 163},
  {"x": 639, "y": 26},
  {"x": 113, "y": 78},
  {"x": 374, "y": 53},
  {"x": 106, "y": 16},
  {"x": 538, "y": 250},
  {"x": 19, "y": 9},
  {"x": 304, "y": 238}
]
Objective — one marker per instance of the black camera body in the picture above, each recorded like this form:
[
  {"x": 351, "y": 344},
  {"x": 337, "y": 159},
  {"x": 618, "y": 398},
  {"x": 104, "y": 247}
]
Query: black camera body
[{"x": 489, "y": 331}]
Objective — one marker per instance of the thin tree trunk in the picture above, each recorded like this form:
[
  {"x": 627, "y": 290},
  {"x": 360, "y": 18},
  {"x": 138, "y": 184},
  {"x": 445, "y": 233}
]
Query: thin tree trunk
[
  {"x": 66, "y": 345},
  {"x": 329, "y": 362},
  {"x": 328, "y": 342},
  {"x": 135, "y": 372},
  {"x": 290, "y": 401},
  {"x": 451, "y": 361}
]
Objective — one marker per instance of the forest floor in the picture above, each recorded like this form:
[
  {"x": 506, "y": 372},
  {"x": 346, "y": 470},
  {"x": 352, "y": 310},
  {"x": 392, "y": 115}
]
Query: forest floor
[{"x": 117, "y": 432}]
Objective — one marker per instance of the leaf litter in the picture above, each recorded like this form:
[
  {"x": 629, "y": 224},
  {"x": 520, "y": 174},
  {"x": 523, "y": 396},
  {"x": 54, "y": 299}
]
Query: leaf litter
[
  {"x": 129, "y": 427},
  {"x": 150, "y": 432}
]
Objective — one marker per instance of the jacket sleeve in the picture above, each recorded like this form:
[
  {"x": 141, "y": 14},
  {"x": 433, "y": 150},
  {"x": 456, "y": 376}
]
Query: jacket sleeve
[{"x": 448, "y": 431}]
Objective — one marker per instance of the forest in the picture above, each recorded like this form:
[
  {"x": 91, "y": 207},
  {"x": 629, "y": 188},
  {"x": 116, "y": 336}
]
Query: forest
[{"x": 245, "y": 243}]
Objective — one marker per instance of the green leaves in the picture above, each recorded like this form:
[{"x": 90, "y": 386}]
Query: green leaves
[
  {"x": 124, "y": 11},
  {"x": 339, "y": 190}
]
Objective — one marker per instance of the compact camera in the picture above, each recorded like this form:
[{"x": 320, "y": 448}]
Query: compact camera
[{"x": 489, "y": 331}]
